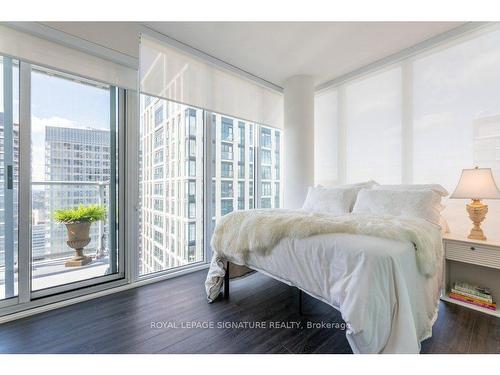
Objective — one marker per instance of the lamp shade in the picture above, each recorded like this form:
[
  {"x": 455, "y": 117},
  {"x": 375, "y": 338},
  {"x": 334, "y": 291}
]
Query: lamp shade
[{"x": 477, "y": 183}]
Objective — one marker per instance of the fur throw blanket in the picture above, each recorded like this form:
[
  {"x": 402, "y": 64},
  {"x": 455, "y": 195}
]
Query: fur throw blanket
[{"x": 241, "y": 232}]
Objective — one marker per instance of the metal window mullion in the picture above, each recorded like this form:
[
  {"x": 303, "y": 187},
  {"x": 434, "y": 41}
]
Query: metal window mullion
[
  {"x": 24, "y": 243},
  {"x": 207, "y": 177},
  {"x": 121, "y": 178},
  {"x": 8, "y": 183},
  {"x": 257, "y": 167},
  {"x": 131, "y": 180},
  {"x": 113, "y": 225}
]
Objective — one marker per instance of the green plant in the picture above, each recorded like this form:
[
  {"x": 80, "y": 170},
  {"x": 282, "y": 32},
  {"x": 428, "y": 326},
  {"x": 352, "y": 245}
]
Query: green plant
[{"x": 81, "y": 213}]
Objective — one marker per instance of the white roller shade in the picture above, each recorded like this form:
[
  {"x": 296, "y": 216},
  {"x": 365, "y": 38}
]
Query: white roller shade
[
  {"x": 40, "y": 51},
  {"x": 172, "y": 74}
]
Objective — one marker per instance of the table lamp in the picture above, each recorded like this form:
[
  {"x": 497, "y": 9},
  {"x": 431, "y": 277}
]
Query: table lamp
[{"x": 476, "y": 184}]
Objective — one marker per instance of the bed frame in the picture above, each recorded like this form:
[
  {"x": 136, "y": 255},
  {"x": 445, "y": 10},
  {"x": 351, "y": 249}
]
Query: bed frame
[{"x": 226, "y": 288}]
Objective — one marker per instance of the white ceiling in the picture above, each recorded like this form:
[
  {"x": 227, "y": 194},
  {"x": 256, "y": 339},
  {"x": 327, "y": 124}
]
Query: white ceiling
[{"x": 275, "y": 51}]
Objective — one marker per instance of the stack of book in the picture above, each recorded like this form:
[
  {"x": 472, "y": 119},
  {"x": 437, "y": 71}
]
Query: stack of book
[{"x": 472, "y": 294}]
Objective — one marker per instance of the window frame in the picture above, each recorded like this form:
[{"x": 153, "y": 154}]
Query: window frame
[{"x": 27, "y": 298}]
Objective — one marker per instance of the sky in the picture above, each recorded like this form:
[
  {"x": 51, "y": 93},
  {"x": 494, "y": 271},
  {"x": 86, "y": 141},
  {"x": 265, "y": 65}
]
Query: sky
[
  {"x": 57, "y": 101},
  {"x": 60, "y": 102}
]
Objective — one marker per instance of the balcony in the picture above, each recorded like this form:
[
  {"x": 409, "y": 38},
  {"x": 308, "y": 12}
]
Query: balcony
[
  {"x": 48, "y": 243},
  {"x": 226, "y": 155}
]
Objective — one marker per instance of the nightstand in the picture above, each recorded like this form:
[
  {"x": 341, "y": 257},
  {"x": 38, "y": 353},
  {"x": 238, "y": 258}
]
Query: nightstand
[{"x": 475, "y": 262}]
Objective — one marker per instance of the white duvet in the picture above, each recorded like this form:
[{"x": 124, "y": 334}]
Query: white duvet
[{"x": 389, "y": 305}]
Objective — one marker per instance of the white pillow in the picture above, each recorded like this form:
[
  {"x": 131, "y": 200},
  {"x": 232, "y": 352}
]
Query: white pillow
[
  {"x": 438, "y": 189},
  {"x": 434, "y": 187},
  {"x": 412, "y": 203},
  {"x": 357, "y": 187},
  {"x": 361, "y": 185},
  {"x": 336, "y": 201}
]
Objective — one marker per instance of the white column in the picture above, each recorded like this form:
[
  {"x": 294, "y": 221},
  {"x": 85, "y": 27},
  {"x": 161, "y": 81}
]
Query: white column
[{"x": 299, "y": 139}]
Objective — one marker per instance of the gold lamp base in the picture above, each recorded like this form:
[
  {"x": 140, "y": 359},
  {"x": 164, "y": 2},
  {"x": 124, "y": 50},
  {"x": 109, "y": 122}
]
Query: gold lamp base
[{"x": 477, "y": 212}]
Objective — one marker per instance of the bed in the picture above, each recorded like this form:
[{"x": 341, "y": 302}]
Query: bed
[{"x": 382, "y": 272}]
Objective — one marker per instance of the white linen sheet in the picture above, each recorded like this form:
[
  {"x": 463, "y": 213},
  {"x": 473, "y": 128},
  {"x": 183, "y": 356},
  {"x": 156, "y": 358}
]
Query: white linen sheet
[{"x": 388, "y": 305}]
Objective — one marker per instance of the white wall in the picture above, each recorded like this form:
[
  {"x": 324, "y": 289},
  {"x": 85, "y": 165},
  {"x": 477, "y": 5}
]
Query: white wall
[{"x": 299, "y": 139}]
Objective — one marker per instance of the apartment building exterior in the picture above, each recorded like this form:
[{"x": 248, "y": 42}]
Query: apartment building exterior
[
  {"x": 172, "y": 182},
  {"x": 73, "y": 155},
  {"x": 171, "y": 185}
]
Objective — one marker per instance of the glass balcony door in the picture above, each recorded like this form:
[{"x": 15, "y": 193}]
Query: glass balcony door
[{"x": 74, "y": 128}]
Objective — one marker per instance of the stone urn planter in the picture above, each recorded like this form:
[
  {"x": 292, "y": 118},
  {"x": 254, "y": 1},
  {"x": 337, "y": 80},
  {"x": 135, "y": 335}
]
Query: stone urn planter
[
  {"x": 78, "y": 221},
  {"x": 78, "y": 238}
]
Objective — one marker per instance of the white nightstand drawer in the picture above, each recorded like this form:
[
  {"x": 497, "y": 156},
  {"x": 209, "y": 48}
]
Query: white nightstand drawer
[{"x": 473, "y": 253}]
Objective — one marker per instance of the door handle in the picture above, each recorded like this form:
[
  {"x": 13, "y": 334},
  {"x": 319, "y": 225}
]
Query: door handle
[{"x": 10, "y": 180}]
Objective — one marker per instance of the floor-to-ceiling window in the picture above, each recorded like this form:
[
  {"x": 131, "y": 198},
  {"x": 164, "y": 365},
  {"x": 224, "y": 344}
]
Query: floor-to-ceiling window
[
  {"x": 59, "y": 150},
  {"x": 171, "y": 216},
  {"x": 225, "y": 157},
  {"x": 270, "y": 167},
  {"x": 421, "y": 120},
  {"x": 373, "y": 127},
  {"x": 177, "y": 208}
]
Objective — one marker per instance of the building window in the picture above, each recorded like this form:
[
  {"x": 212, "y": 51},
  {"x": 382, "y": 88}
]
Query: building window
[
  {"x": 192, "y": 188},
  {"x": 158, "y": 188},
  {"x": 266, "y": 157},
  {"x": 266, "y": 172},
  {"x": 227, "y": 151},
  {"x": 158, "y": 158},
  {"x": 241, "y": 127},
  {"x": 227, "y": 129},
  {"x": 192, "y": 210},
  {"x": 226, "y": 206},
  {"x": 266, "y": 189},
  {"x": 158, "y": 253},
  {"x": 158, "y": 220},
  {"x": 277, "y": 199},
  {"x": 226, "y": 189},
  {"x": 159, "y": 115},
  {"x": 158, "y": 142},
  {"x": 158, "y": 204},
  {"x": 158, "y": 173},
  {"x": 192, "y": 147},
  {"x": 265, "y": 138},
  {"x": 227, "y": 170},
  {"x": 190, "y": 122},
  {"x": 192, "y": 168},
  {"x": 158, "y": 237},
  {"x": 266, "y": 202}
]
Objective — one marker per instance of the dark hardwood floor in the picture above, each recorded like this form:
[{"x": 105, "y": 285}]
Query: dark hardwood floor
[{"x": 121, "y": 323}]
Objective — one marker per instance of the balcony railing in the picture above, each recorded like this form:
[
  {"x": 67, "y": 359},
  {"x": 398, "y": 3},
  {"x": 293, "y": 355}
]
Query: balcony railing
[
  {"x": 101, "y": 249},
  {"x": 48, "y": 269}
]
